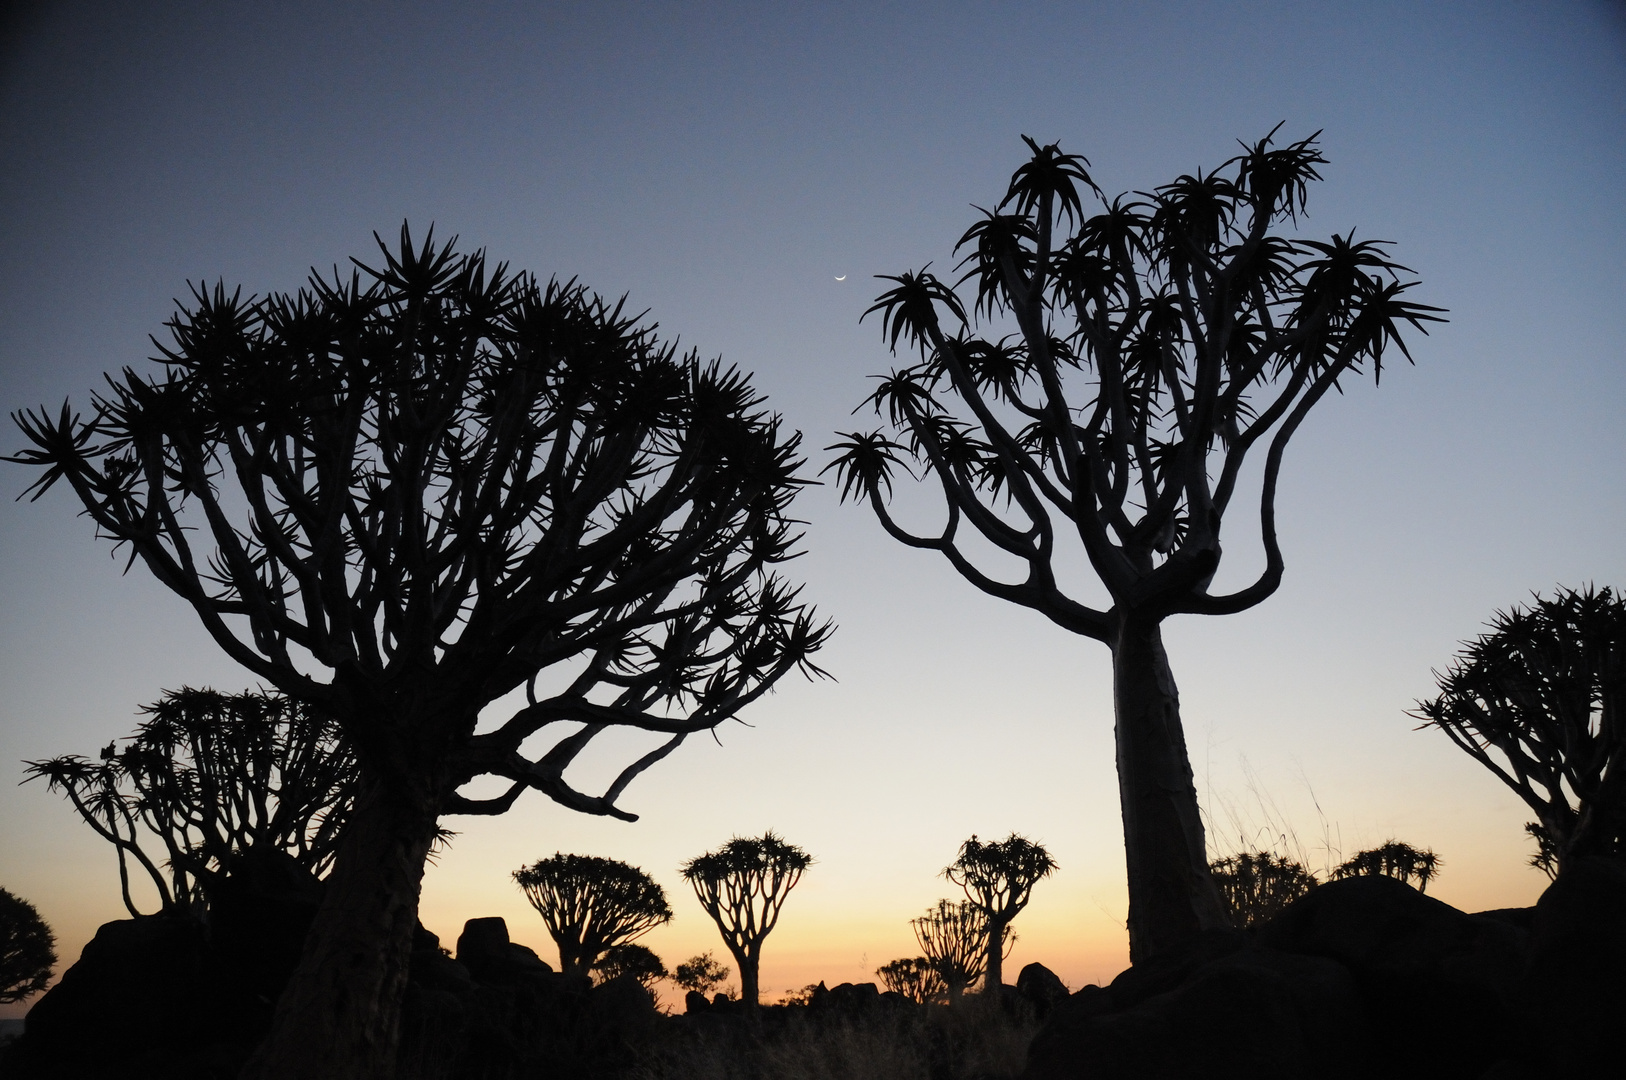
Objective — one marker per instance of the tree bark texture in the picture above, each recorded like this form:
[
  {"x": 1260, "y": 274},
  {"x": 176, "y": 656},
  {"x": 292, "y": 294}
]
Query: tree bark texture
[
  {"x": 339, "y": 1017},
  {"x": 1172, "y": 896}
]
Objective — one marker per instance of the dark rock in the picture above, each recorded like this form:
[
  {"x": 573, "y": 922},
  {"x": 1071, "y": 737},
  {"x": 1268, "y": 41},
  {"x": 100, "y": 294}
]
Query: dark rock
[
  {"x": 259, "y": 913},
  {"x": 1521, "y": 917},
  {"x": 484, "y": 949},
  {"x": 1251, "y": 1013},
  {"x": 1441, "y": 987},
  {"x": 146, "y": 999},
  {"x": 845, "y": 999},
  {"x": 1575, "y": 985},
  {"x": 1163, "y": 973},
  {"x": 695, "y": 1002},
  {"x": 1041, "y": 988}
]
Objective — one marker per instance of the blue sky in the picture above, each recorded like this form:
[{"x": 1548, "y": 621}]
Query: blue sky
[{"x": 722, "y": 165}]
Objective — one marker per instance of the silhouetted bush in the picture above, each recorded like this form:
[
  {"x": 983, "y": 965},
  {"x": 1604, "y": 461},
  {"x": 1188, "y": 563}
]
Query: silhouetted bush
[
  {"x": 27, "y": 949},
  {"x": 632, "y": 961},
  {"x": 700, "y": 974}
]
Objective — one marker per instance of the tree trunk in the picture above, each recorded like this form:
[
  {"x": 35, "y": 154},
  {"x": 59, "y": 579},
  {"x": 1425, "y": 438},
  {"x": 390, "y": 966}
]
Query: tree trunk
[
  {"x": 1172, "y": 896},
  {"x": 994, "y": 972},
  {"x": 339, "y": 1016},
  {"x": 750, "y": 988}
]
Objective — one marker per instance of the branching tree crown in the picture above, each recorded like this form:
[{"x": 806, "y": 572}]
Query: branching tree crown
[
  {"x": 212, "y": 776},
  {"x": 591, "y": 905},
  {"x": 914, "y": 977},
  {"x": 743, "y": 886},
  {"x": 401, "y": 494},
  {"x": 1540, "y": 701},
  {"x": 1100, "y": 384},
  {"x": 954, "y": 936},
  {"x": 27, "y": 950},
  {"x": 631, "y": 961},
  {"x": 1393, "y": 859},
  {"x": 1257, "y": 885},
  {"x": 998, "y": 877}
]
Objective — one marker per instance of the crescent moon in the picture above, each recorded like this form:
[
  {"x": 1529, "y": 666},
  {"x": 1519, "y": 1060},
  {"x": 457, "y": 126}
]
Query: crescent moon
[{"x": 841, "y": 277}]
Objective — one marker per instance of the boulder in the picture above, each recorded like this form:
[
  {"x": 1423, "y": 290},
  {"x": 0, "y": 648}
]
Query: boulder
[
  {"x": 1575, "y": 985},
  {"x": 145, "y": 999},
  {"x": 1041, "y": 988},
  {"x": 484, "y": 949},
  {"x": 1441, "y": 987},
  {"x": 1248, "y": 1012}
]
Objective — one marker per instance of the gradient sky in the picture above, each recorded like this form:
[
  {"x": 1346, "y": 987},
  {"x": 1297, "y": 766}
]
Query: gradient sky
[{"x": 722, "y": 165}]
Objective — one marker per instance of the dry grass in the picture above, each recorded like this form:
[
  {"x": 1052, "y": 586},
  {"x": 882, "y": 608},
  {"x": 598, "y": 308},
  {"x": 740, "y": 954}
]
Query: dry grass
[{"x": 976, "y": 1040}]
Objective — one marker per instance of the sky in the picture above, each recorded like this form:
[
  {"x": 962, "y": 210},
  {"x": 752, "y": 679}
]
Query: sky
[{"x": 723, "y": 166}]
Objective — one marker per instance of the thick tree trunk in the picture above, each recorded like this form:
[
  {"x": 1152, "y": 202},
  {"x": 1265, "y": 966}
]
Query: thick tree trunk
[
  {"x": 994, "y": 972},
  {"x": 1172, "y": 896},
  {"x": 339, "y": 1018},
  {"x": 750, "y": 988}
]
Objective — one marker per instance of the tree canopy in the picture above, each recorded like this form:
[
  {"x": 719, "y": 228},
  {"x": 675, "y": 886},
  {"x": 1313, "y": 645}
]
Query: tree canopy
[
  {"x": 592, "y": 905},
  {"x": 998, "y": 877},
  {"x": 27, "y": 950},
  {"x": 1539, "y": 702}
]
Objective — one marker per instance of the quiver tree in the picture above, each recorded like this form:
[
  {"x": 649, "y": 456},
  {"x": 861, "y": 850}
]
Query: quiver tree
[
  {"x": 401, "y": 495},
  {"x": 1095, "y": 401},
  {"x": 1393, "y": 859},
  {"x": 743, "y": 886},
  {"x": 998, "y": 877},
  {"x": 591, "y": 905},
  {"x": 914, "y": 977},
  {"x": 1539, "y": 702},
  {"x": 1257, "y": 885},
  {"x": 954, "y": 936},
  {"x": 213, "y": 777},
  {"x": 27, "y": 950}
]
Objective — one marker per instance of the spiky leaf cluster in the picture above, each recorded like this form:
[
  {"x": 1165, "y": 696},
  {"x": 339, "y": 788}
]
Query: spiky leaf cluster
[
  {"x": 591, "y": 904},
  {"x": 211, "y": 776},
  {"x": 1393, "y": 859},
  {"x": 914, "y": 977},
  {"x": 998, "y": 875},
  {"x": 1539, "y": 701},
  {"x": 1257, "y": 885},
  {"x": 1106, "y": 369},
  {"x": 435, "y": 479}
]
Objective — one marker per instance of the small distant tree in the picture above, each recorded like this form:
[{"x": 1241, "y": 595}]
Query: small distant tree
[
  {"x": 915, "y": 978},
  {"x": 636, "y": 961},
  {"x": 1114, "y": 372},
  {"x": 211, "y": 777},
  {"x": 701, "y": 974},
  {"x": 1257, "y": 885},
  {"x": 401, "y": 495},
  {"x": 954, "y": 938},
  {"x": 27, "y": 950},
  {"x": 999, "y": 877},
  {"x": 1540, "y": 701},
  {"x": 591, "y": 905},
  {"x": 1401, "y": 861},
  {"x": 743, "y": 886}
]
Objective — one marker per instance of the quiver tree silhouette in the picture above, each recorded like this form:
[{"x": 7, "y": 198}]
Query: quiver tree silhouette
[
  {"x": 743, "y": 886},
  {"x": 591, "y": 905},
  {"x": 954, "y": 937},
  {"x": 998, "y": 877},
  {"x": 213, "y": 777},
  {"x": 399, "y": 496},
  {"x": 1103, "y": 387},
  {"x": 1257, "y": 885},
  {"x": 1414, "y": 866},
  {"x": 700, "y": 974},
  {"x": 27, "y": 950},
  {"x": 915, "y": 978},
  {"x": 633, "y": 961},
  {"x": 1539, "y": 702}
]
